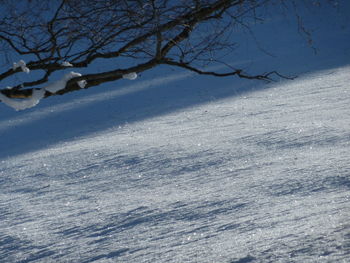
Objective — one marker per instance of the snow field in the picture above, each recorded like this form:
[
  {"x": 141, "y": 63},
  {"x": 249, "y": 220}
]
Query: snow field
[{"x": 262, "y": 176}]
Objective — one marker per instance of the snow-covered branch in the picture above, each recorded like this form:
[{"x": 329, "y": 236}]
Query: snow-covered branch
[
  {"x": 38, "y": 94},
  {"x": 23, "y": 104},
  {"x": 21, "y": 64}
]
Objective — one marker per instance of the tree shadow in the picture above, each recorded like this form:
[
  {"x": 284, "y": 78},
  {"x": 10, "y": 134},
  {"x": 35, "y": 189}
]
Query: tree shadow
[
  {"x": 62, "y": 119},
  {"x": 161, "y": 91}
]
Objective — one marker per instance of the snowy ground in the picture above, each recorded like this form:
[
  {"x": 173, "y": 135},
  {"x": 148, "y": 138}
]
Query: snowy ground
[{"x": 259, "y": 176}]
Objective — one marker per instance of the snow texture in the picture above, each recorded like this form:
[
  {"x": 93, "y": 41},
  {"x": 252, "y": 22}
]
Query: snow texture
[
  {"x": 21, "y": 64},
  {"x": 22, "y": 104},
  {"x": 260, "y": 175},
  {"x": 130, "y": 76}
]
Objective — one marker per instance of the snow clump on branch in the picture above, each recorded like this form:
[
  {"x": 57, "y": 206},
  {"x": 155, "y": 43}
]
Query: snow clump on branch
[
  {"x": 61, "y": 84},
  {"x": 82, "y": 83},
  {"x": 66, "y": 64},
  {"x": 37, "y": 95},
  {"x": 21, "y": 64},
  {"x": 130, "y": 76}
]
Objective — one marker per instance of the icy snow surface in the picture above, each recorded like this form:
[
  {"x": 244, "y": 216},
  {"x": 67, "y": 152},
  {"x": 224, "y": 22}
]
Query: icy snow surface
[{"x": 261, "y": 176}]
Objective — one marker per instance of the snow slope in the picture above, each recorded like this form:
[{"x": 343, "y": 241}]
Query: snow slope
[
  {"x": 257, "y": 177},
  {"x": 181, "y": 168}
]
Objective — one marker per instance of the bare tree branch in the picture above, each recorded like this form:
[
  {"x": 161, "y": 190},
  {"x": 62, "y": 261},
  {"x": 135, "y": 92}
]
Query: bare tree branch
[
  {"x": 237, "y": 72},
  {"x": 150, "y": 33}
]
